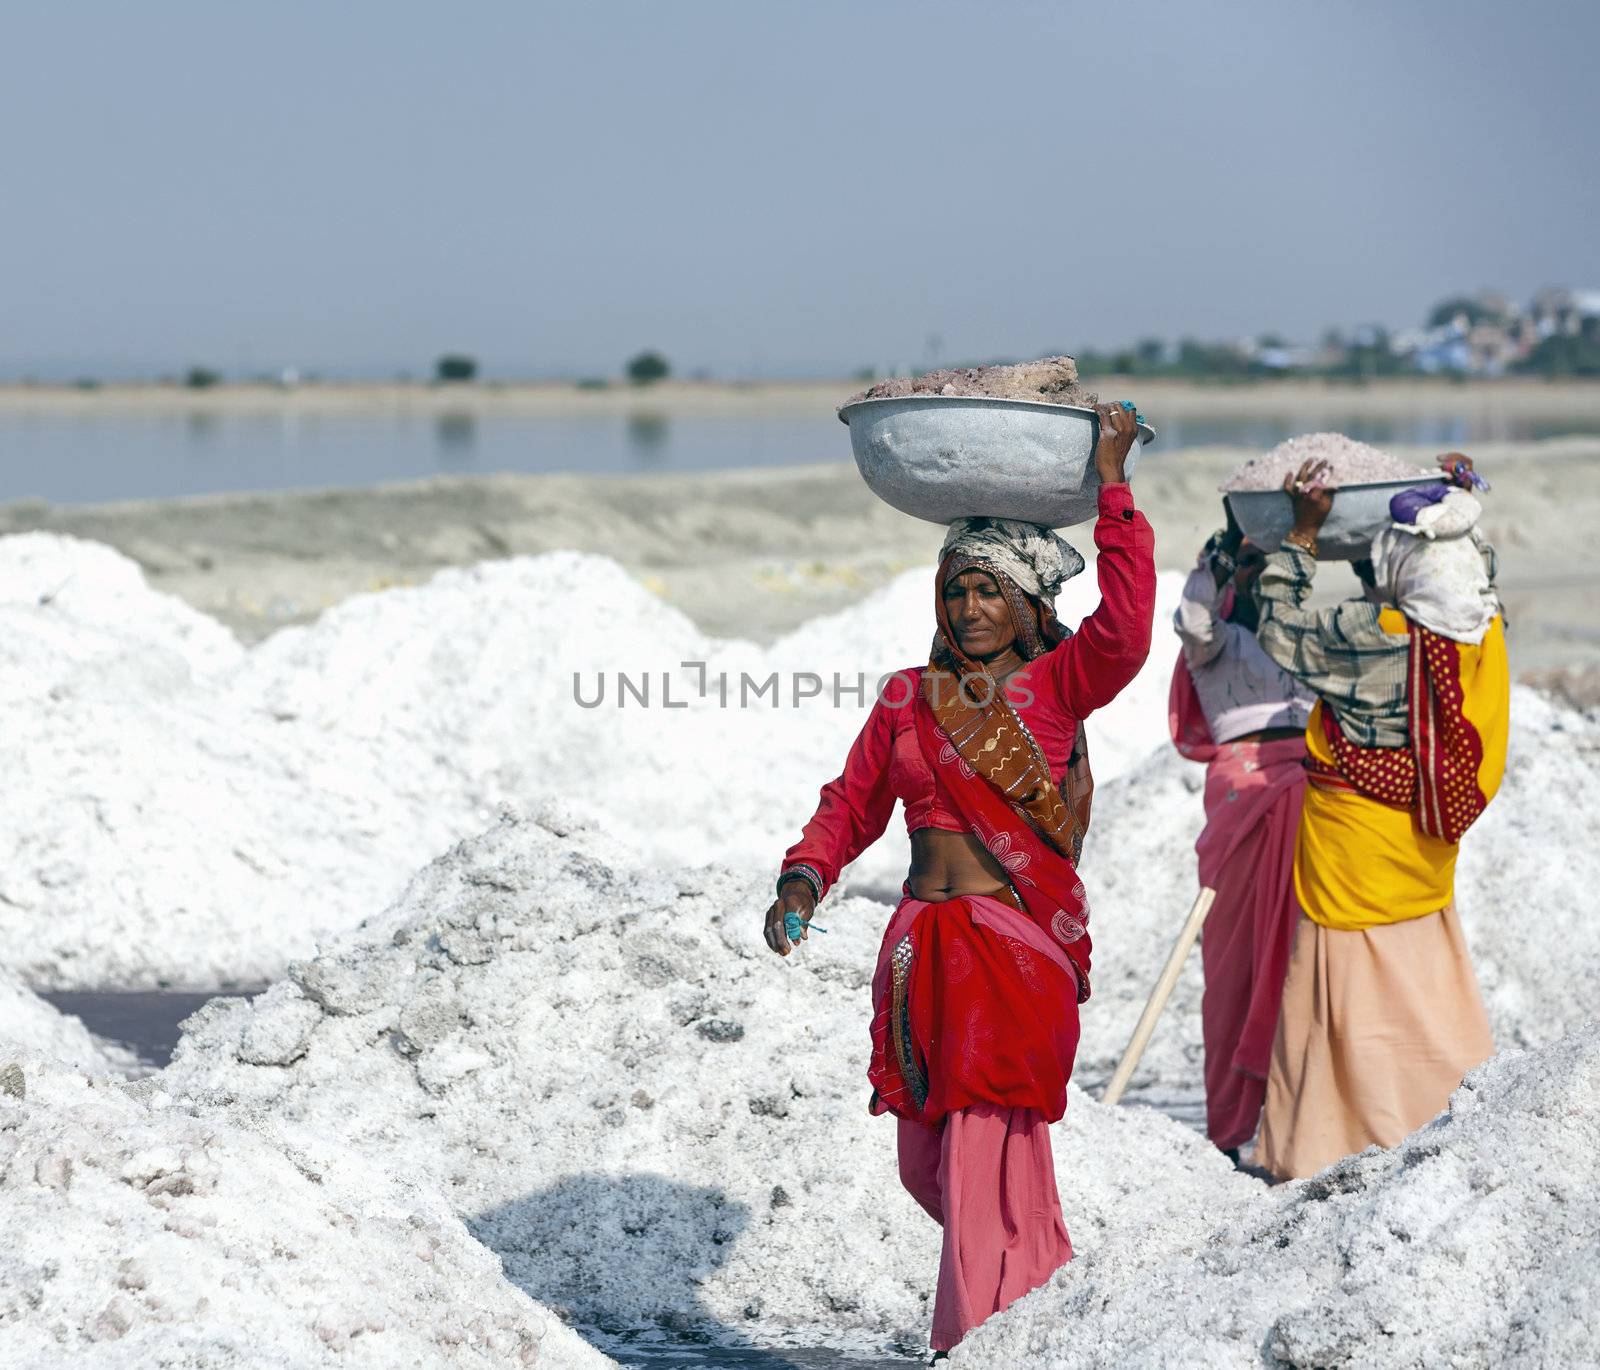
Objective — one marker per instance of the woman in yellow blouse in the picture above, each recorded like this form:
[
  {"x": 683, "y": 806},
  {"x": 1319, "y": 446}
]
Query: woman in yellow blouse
[{"x": 1382, "y": 1015}]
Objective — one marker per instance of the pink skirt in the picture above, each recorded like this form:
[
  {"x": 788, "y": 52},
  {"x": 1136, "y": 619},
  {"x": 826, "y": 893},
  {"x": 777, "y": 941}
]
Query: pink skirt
[
  {"x": 982, "y": 1168},
  {"x": 985, "y": 1173},
  {"x": 1254, "y": 792}
]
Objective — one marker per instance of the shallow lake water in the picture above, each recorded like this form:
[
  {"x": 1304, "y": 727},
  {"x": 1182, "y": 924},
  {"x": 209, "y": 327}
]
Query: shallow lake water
[{"x": 91, "y": 454}]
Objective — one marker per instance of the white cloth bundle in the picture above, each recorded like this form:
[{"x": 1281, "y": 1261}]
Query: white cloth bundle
[{"x": 1436, "y": 571}]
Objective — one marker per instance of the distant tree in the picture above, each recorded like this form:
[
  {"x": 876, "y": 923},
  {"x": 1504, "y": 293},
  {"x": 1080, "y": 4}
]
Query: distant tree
[
  {"x": 1151, "y": 353},
  {"x": 1210, "y": 359},
  {"x": 455, "y": 366},
  {"x": 1564, "y": 354},
  {"x": 1092, "y": 363},
  {"x": 647, "y": 368},
  {"x": 1476, "y": 312},
  {"x": 201, "y": 377}
]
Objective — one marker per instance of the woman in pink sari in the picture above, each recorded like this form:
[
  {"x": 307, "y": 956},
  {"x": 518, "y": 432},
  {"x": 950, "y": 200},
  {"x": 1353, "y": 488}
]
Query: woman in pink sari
[
  {"x": 1235, "y": 709},
  {"x": 986, "y": 958}
]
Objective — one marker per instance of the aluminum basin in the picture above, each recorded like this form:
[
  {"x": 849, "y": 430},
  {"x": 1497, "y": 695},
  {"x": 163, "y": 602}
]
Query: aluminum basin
[
  {"x": 1358, "y": 512},
  {"x": 945, "y": 457}
]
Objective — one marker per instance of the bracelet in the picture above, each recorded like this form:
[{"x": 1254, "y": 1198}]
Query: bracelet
[
  {"x": 1306, "y": 542},
  {"x": 800, "y": 871},
  {"x": 1216, "y": 555}
]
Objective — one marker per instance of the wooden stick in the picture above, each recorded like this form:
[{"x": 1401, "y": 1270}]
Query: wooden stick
[{"x": 1159, "y": 996}]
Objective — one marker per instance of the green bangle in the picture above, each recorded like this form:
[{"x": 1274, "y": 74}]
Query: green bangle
[{"x": 809, "y": 874}]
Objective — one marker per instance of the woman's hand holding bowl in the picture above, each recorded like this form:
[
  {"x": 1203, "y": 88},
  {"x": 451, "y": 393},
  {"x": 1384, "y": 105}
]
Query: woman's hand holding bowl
[
  {"x": 1312, "y": 499},
  {"x": 1119, "y": 429}
]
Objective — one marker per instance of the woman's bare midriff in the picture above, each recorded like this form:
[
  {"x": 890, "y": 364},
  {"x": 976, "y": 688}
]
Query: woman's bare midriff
[{"x": 947, "y": 864}]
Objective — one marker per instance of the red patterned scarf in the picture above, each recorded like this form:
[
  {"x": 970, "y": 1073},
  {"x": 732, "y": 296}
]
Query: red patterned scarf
[
  {"x": 1437, "y": 776},
  {"x": 971, "y": 708},
  {"x": 997, "y": 776}
]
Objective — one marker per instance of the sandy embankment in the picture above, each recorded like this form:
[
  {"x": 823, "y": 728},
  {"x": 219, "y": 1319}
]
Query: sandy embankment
[
  {"x": 755, "y": 553},
  {"x": 1165, "y": 400}
]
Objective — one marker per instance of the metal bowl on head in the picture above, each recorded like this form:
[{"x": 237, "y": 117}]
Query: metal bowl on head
[
  {"x": 945, "y": 457},
  {"x": 1358, "y": 512}
]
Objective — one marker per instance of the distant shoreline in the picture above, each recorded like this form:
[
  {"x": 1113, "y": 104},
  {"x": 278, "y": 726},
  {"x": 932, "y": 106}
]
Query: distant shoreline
[{"x": 1519, "y": 396}]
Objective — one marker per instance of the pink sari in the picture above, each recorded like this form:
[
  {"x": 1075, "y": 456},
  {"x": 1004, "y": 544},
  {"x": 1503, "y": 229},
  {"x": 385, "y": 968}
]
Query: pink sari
[{"x": 1254, "y": 791}]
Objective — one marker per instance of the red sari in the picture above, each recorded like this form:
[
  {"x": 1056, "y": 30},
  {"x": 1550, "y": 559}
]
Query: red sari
[{"x": 975, "y": 1001}]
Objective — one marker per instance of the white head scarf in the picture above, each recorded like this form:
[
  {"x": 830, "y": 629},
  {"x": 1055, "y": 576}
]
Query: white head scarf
[
  {"x": 1436, "y": 570},
  {"x": 1038, "y": 559}
]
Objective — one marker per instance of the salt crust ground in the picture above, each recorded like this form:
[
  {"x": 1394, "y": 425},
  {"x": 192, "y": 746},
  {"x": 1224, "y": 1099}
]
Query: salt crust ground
[
  {"x": 140, "y": 1234},
  {"x": 696, "y": 1077},
  {"x": 427, "y": 1057},
  {"x": 185, "y": 812},
  {"x": 646, "y": 1114},
  {"x": 1474, "y": 1243}
]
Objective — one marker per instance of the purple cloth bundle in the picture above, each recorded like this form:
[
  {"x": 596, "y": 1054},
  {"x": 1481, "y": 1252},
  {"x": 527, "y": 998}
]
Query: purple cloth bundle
[{"x": 1406, "y": 505}]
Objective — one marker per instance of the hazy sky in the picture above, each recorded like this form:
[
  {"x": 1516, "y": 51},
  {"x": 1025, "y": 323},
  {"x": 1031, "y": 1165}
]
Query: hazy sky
[{"x": 770, "y": 189}]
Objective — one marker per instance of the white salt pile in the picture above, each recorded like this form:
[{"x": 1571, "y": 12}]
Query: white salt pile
[
  {"x": 647, "y": 1115},
  {"x": 1350, "y": 463},
  {"x": 77, "y": 615},
  {"x": 182, "y": 812},
  {"x": 31, "y": 1027},
  {"x": 1050, "y": 380},
  {"x": 139, "y": 1234},
  {"x": 531, "y": 1027},
  {"x": 1474, "y": 1243},
  {"x": 577, "y": 1040}
]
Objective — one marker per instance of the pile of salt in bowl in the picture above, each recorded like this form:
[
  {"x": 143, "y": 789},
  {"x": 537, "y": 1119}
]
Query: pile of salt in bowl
[{"x": 1349, "y": 462}]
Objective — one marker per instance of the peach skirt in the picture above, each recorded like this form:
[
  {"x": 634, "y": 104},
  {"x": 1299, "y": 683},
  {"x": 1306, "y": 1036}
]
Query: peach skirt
[{"x": 1377, "y": 1029}]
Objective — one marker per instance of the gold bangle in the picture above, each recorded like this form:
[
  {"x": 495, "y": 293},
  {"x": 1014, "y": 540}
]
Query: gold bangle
[{"x": 1306, "y": 543}]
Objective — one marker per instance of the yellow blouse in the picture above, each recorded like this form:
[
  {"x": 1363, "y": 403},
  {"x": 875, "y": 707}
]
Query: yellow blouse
[{"x": 1361, "y": 864}]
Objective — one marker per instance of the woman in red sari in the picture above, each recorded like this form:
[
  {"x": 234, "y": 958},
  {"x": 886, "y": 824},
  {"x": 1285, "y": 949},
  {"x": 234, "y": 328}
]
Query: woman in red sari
[{"x": 986, "y": 958}]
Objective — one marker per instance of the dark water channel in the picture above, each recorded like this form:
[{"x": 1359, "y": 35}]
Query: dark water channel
[
  {"x": 146, "y": 1021},
  {"x": 667, "y": 1355}
]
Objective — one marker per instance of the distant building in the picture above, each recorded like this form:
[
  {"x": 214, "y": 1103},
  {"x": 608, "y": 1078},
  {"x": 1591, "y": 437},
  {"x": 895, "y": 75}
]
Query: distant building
[{"x": 1559, "y": 310}]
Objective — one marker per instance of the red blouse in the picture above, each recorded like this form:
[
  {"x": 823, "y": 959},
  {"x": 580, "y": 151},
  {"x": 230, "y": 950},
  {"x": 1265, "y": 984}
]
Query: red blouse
[{"x": 1050, "y": 694}]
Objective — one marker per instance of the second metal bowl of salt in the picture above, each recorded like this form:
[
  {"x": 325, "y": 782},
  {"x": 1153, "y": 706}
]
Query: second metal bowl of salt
[
  {"x": 1358, "y": 512},
  {"x": 944, "y": 457}
]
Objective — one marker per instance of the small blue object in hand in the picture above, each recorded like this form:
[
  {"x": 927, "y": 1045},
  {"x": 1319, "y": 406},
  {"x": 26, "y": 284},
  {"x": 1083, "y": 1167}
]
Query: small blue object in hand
[
  {"x": 791, "y": 926},
  {"x": 1133, "y": 409}
]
